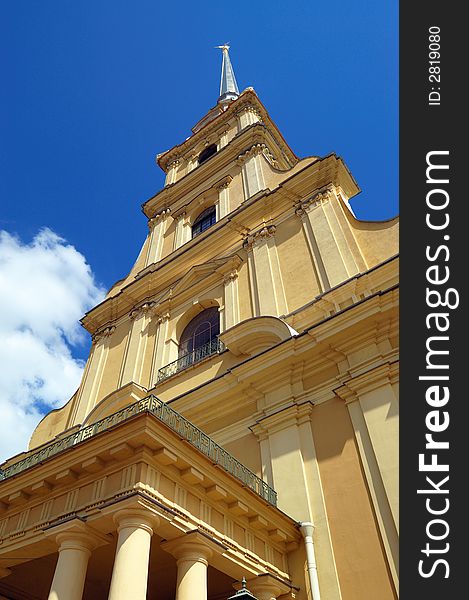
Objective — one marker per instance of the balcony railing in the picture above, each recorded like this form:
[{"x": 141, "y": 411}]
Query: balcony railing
[
  {"x": 172, "y": 419},
  {"x": 214, "y": 346}
]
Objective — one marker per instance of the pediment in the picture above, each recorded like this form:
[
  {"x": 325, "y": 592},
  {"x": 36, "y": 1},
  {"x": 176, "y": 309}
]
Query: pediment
[{"x": 200, "y": 273}]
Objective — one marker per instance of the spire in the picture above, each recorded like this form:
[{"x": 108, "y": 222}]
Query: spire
[{"x": 228, "y": 86}]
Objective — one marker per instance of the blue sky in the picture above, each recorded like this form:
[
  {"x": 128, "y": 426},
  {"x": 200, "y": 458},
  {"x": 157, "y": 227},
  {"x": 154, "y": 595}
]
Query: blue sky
[{"x": 93, "y": 90}]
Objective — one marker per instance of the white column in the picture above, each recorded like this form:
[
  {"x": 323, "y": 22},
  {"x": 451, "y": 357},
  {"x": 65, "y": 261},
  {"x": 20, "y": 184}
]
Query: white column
[
  {"x": 130, "y": 571},
  {"x": 70, "y": 571},
  {"x": 192, "y": 553}
]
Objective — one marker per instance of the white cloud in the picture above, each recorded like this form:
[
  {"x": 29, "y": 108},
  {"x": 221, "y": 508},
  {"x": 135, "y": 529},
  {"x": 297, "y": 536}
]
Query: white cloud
[{"x": 45, "y": 288}]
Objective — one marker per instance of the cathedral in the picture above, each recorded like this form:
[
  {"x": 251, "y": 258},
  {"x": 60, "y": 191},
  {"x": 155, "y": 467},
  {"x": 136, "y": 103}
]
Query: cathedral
[{"x": 235, "y": 431}]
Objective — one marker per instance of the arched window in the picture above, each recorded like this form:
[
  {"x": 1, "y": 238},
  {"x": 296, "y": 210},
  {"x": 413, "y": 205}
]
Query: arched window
[
  {"x": 202, "y": 332},
  {"x": 207, "y": 153},
  {"x": 204, "y": 221}
]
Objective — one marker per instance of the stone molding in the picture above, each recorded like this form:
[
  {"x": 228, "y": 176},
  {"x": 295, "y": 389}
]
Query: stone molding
[
  {"x": 223, "y": 183},
  {"x": 136, "y": 518},
  {"x": 254, "y": 150},
  {"x": 103, "y": 333},
  {"x": 352, "y": 388},
  {"x": 321, "y": 197},
  {"x": 142, "y": 310},
  {"x": 194, "y": 545},
  {"x": 158, "y": 217},
  {"x": 258, "y": 236}
]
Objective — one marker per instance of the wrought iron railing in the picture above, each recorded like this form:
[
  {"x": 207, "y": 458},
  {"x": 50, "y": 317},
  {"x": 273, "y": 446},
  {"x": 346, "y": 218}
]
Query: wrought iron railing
[
  {"x": 172, "y": 419},
  {"x": 214, "y": 346}
]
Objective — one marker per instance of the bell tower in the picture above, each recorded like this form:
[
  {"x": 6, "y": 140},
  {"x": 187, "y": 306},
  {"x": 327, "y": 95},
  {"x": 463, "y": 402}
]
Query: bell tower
[{"x": 239, "y": 403}]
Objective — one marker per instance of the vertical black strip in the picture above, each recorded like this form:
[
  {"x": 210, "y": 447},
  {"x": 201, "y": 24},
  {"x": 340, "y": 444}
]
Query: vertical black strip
[{"x": 432, "y": 78}]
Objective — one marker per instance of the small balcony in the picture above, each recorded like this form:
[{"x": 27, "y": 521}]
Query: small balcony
[{"x": 214, "y": 346}]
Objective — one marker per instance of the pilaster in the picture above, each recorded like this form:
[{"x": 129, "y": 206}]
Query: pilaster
[
  {"x": 266, "y": 272},
  {"x": 136, "y": 344},
  {"x": 157, "y": 225},
  {"x": 91, "y": 382}
]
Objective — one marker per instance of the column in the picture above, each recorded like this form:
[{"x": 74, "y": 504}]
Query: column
[
  {"x": 249, "y": 247},
  {"x": 192, "y": 553},
  {"x": 160, "y": 344},
  {"x": 251, "y": 170},
  {"x": 223, "y": 197},
  {"x": 330, "y": 249},
  {"x": 231, "y": 299},
  {"x": 223, "y": 141},
  {"x": 314, "y": 250},
  {"x": 183, "y": 230},
  {"x": 157, "y": 225},
  {"x": 266, "y": 587},
  {"x": 247, "y": 116},
  {"x": 75, "y": 546},
  {"x": 269, "y": 283},
  {"x": 92, "y": 377},
  {"x": 171, "y": 174},
  {"x": 136, "y": 345},
  {"x": 130, "y": 571}
]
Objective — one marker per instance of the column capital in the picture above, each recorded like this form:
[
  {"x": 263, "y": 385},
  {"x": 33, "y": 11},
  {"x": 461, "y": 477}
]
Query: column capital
[
  {"x": 157, "y": 217},
  {"x": 267, "y": 587},
  {"x": 223, "y": 183},
  {"x": 142, "y": 310},
  {"x": 102, "y": 333},
  {"x": 260, "y": 235},
  {"x": 193, "y": 546},
  {"x": 320, "y": 197},
  {"x": 76, "y": 535},
  {"x": 136, "y": 518}
]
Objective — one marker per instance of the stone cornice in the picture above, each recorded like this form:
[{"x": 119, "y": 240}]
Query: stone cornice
[
  {"x": 248, "y": 100},
  {"x": 297, "y": 414},
  {"x": 375, "y": 378}
]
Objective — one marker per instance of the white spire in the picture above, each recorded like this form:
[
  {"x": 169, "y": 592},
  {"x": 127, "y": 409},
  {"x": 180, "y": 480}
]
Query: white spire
[{"x": 228, "y": 86}]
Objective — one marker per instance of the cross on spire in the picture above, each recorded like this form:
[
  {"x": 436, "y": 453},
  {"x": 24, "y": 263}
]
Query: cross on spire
[{"x": 228, "y": 86}]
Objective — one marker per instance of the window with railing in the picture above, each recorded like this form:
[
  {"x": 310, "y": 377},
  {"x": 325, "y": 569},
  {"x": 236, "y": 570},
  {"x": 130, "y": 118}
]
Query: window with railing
[{"x": 198, "y": 341}]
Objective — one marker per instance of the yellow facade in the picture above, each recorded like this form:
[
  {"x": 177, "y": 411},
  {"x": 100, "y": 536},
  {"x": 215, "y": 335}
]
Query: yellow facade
[{"x": 156, "y": 479}]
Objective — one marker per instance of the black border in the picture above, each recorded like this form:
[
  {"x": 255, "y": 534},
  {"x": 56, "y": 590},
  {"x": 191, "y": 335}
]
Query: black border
[{"x": 425, "y": 128}]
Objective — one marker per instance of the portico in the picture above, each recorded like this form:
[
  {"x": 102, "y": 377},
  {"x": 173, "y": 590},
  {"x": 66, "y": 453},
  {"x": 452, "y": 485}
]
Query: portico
[{"x": 162, "y": 520}]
